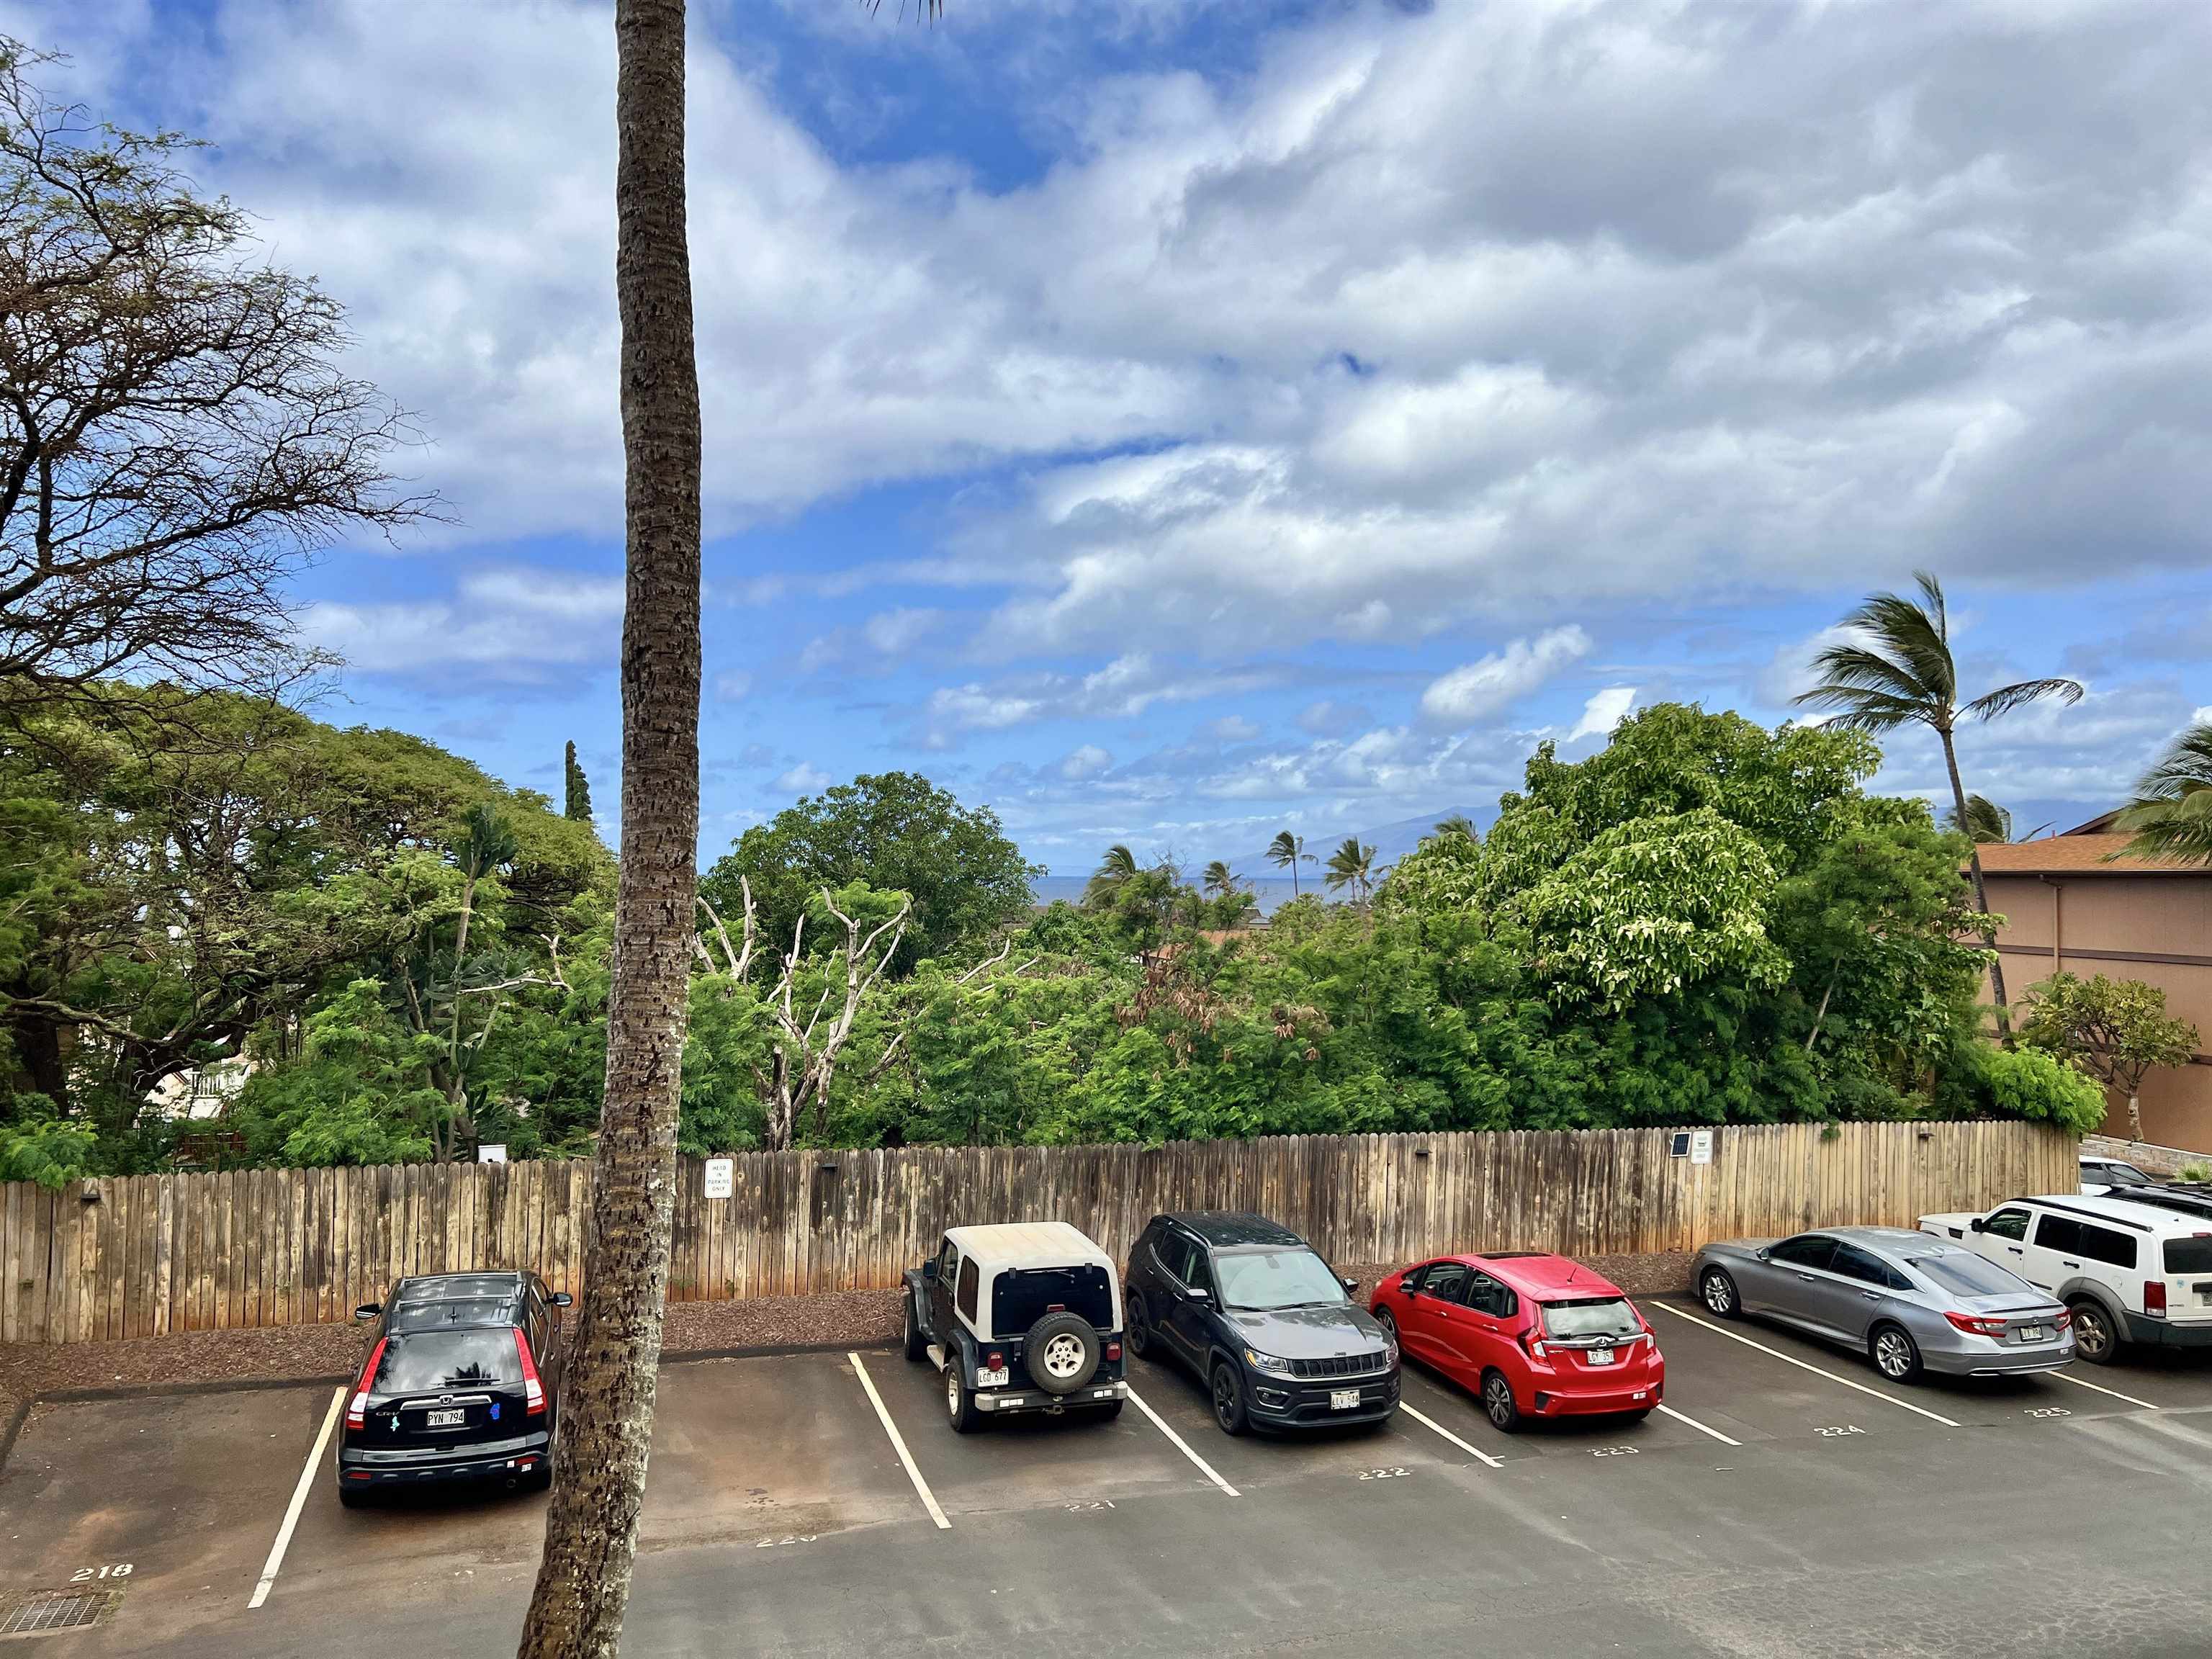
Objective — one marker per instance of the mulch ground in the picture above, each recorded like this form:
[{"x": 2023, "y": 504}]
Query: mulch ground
[{"x": 307, "y": 1352}]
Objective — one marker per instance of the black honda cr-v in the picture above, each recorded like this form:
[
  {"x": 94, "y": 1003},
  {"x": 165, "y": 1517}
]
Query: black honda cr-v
[
  {"x": 1262, "y": 1318},
  {"x": 461, "y": 1384}
]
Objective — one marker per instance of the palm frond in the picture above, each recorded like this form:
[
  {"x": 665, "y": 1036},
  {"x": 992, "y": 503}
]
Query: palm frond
[
  {"x": 1865, "y": 711},
  {"x": 1916, "y": 643},
  {"x": 2185, "y": 767},
  {"x": 1985, "y": 822},
  {"x": 2006, "y": 698}
]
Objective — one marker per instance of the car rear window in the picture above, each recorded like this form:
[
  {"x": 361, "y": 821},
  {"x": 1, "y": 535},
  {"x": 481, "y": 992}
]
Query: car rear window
[
  {"x": 1021, "y": 1296},
  {"x": 1611, "y": 1317},
  {"x": 2189, "y": 1256},
  {"x": 1965, "y": 1275},
  {"x": 417, "y": 1362}
]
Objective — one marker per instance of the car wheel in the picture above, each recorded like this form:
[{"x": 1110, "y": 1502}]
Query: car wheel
[
  {"x": 915, "y": 1347},
  {"x": 960, "y": 1400},
  {"x": 1896, "y": 1355},
  {"x": 1062, "y": 1353},
  {"x": 1497, "y": 1404},
  {"x": 1229, "y": 1401},
  {"x": 1140, "y": 1333},
  {"x": 1717, "y": 1291},
  {"x": 1383, "y": 1317},
  {"x": 2094, "y": 1338}
]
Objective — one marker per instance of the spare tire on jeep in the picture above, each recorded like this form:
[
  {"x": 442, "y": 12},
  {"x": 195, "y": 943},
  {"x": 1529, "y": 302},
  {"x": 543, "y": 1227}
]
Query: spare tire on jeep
[{"x": 1062, "y": 1352}]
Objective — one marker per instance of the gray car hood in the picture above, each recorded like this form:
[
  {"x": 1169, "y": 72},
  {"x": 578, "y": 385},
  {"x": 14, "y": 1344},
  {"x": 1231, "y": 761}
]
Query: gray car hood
[{"x": 1309, "y": 1333}]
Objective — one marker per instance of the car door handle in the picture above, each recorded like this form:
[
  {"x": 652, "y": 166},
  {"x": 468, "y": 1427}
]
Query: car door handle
[
  {"x": 1443, "y": 1313},
  {"x": 2015, "y": 1249},
  {"x": 1808, "y": 1277},
  {"x": 1871, "y": 1296},
  {"x": 2069, "y": 1264}
]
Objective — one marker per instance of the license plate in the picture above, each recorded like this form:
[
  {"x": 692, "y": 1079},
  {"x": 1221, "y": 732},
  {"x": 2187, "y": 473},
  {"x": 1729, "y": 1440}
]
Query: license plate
[
  {"x": 447, "y": 1420},
  {"x": 1343, "y": 1399},
  {"x": 1601, "y": 1356},
  {"x": 986, "y": 1378},
  {"x": 2033, "y": 1333}
]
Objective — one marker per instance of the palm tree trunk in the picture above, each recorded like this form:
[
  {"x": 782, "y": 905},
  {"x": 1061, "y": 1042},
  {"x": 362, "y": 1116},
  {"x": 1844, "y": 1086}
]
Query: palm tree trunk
[
  {"x": 1981, "y": 891},
  {"x": 606, "y": 1409}
]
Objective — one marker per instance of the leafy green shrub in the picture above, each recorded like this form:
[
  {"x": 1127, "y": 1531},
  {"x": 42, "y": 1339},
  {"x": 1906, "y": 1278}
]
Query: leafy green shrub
[
  {"x": 2033, "y": 1083},
  {"x": 2196, "y": 1172},
  {"x": 43, "y": 1147}
]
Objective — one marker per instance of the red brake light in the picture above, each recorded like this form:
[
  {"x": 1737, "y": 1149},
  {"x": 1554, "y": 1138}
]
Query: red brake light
[
  {"x": 995, "y": 1361},
  {"x": 1113, "y": 1351},
  {"x": 1533, "y": 1342},
  {"x": 533, "y": 1391},
  {"x": 357, "y": 1411},
  {"x": 2065, "y": 1318},
  {"x": 2154, "y": 1298},
  {"x": 1978, "y": 1325}
]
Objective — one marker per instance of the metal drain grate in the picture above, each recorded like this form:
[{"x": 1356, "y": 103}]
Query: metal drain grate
[{"x": 42, "y": 1611}]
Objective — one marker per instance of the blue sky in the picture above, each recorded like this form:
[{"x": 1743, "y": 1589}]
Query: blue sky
[{"x": 1176, "y": 421}]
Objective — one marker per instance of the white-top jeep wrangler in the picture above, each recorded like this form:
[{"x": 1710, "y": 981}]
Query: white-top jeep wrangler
[{"x": 1020, "y": 1317}]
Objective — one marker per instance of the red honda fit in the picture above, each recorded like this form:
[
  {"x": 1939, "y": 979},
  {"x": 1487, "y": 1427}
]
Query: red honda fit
[{"x": 1534, "y": 1335}]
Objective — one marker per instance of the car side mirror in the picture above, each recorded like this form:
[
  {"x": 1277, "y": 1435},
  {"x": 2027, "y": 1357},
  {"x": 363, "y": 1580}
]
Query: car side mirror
[
  {"x": 1762, "y": 1255},
  {"x": 562, "y": 1299},
  {"x": 1979, "y": 1225},
  {"x": 1351, "y": 1286},
  {"x": 929, "y": 1269},
  {"x": 368, "y": 1310}
]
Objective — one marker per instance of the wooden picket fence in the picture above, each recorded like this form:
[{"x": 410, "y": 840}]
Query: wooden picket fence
[{"x": 151, "y": 1254}]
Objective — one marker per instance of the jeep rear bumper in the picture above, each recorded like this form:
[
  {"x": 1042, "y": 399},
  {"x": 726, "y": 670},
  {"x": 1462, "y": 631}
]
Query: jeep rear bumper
[{"x": 1004, "y": 1402}]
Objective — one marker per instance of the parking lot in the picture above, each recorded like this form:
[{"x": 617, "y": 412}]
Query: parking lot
[{"x": 1784, "y": 1501}]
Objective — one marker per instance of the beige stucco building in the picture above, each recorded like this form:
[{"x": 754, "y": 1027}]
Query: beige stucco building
[{"x": 2067, "y": 903}]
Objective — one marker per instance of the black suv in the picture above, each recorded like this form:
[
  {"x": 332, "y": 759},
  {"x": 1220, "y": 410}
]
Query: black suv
[
  {"x": 1253, "y": 1310},
  {"x": 462, "y": 1383}
]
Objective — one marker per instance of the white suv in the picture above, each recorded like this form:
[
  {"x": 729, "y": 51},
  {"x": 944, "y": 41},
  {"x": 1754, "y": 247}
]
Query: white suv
[{"x": 2136, "y": 1268}]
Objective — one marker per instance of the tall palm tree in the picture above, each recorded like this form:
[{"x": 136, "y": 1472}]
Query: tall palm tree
[
  {"x": 2170, "y": 816},
  {"x": 1353, "y": 864},
  {"x": 1458, "y": 825},
  {"x": 1219, "y": 880},
  {"x": 1897, "y": 672},
  {"x": 1289, "y": 851},
  {"x": 614, "y": 1352},
  {"x": 1113, "y": 872}
]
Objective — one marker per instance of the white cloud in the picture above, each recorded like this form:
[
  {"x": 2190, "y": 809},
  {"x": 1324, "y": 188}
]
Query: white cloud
[
  {"x": 1482, "y": 689},
  {"x": 1605, "y": 710},
  {"x": 1122, "y": 690},
  {"x": 1087, "y": 762},
  {"x": 504, "y": 624},
  {"x": 803, "y": 779},
  {"x": 1230, "y": 728},
  {"x": 732, "y": 687},
  {"x": 892, "y": 632}
]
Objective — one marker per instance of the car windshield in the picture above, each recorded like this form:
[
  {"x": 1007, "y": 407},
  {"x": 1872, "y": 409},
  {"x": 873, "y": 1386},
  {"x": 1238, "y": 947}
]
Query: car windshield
[
  {"x": 417, "y": 1362},
  {"x": 1611, "y": 1317},
  {"x": 1965, "y": 1275},
  {"x": 1257, "y": 1281},
  {"x": 2118, "y": 1175}
]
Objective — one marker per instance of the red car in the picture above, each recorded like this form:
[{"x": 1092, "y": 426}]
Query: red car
[{"x": 1532, "y": 1334}]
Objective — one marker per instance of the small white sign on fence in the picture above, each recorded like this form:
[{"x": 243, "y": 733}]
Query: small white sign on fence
[
  {"x": 721, "y": 1176},
  {"x": 492, "y": 1151},
  {"x": 1701, "y": 1145}
]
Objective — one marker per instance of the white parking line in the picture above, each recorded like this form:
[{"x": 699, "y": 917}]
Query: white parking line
[
  {"x": 1430, "y": 1422},
  {"x": 898, "y": 1443},
  {"x": 1933, "y": 1417},
  {"x": 2080, "y": 1382},
  {"x": 1182, "y": 1445},
  {"x": 275, "y": 1564},
  {"x": 1684, "y": 1416}
]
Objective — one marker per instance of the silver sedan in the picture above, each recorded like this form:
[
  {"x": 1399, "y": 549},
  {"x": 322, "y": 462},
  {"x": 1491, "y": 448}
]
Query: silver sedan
[{"x": 1906, "y": 1300}]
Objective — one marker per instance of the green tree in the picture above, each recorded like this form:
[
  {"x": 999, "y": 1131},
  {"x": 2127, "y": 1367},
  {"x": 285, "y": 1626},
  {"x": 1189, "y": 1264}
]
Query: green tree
[
  {"x": 1897, "y": 670},
  {"x": 2170, "y": 816},
  {"x": 2116, "y": 1031},
  {"x": 577, "y": 798},
  {"x": 1218, "y": 881},
  {"x": 898, "y": 833},
  {"x": 1353, "y": 864},
  {"x": 1287, "y": 852}
]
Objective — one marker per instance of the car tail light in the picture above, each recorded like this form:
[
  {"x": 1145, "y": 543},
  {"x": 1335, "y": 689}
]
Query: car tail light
[
  {"x": 2154, "y": 1298},
  {"x": 2065, "y": 1318},
  {"x": 1532, "y": 1343},
  {"x": 995, "y": 1361},
  {"x": 533, "y": 1391},
  {"x": 357, "y": 1412},
  {"x": 1113, "y": 1351},
  {"x": 1978, "y": 1325}
]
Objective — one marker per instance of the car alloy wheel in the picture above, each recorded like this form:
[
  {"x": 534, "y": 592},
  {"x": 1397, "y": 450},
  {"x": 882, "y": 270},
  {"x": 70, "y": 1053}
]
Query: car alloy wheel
[
  {"x": 1228, "y": 1401},
  {"x": 2093, "y": 1334},
  {"x": 1389, "y": 1325},
  {"x": 1063, "y": 1357},
  {"x": 1497, "y": 1402},
  {"x": 1140, "y": 1333},
  {"x": 1894, "y": 1356},
  {"x": 1718, "y": 1291}
]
